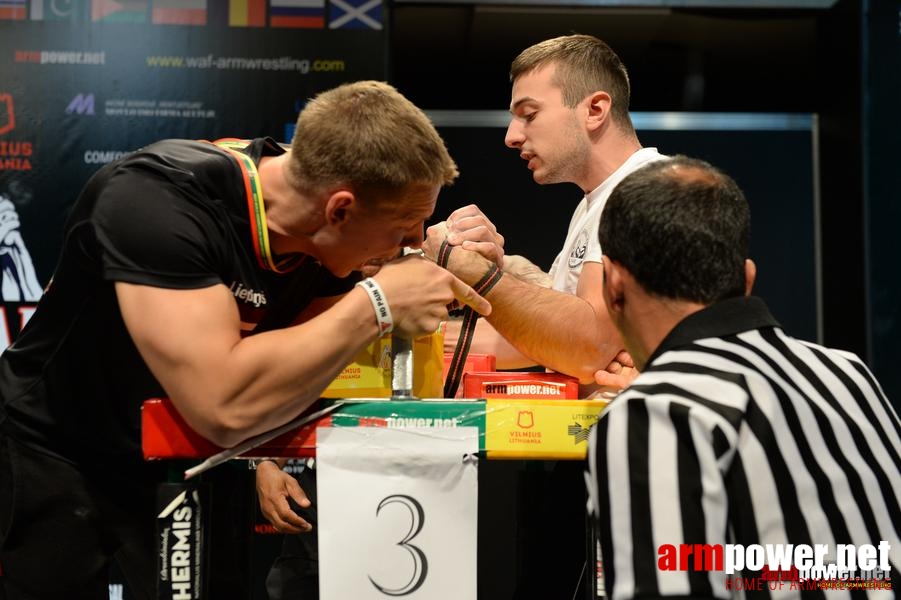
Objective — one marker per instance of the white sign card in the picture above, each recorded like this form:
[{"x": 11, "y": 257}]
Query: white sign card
[{"x": 398, "y": 513}]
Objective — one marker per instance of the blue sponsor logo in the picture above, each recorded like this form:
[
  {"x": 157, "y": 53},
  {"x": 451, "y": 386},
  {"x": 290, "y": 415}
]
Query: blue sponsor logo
[{"x": 82, "y": 104}]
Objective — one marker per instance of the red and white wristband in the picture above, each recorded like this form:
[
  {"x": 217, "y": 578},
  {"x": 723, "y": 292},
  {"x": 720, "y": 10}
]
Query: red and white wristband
[{"x": 379, "y": 304}]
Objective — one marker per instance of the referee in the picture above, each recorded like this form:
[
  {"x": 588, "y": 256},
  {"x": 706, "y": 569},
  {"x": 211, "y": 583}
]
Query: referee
[{"x": 734, "y": 433}]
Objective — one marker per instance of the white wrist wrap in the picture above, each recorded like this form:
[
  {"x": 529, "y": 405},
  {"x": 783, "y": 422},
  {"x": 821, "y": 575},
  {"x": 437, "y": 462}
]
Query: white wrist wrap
[{"x": 379, "y": 304}]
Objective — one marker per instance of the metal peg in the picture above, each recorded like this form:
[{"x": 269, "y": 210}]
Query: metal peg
[{"x": 401, "y": 369}]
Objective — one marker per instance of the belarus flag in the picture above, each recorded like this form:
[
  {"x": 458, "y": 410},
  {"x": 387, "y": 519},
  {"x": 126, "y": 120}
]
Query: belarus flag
[
  {"x": 179, "y": 12},
  {"x": 297, "y": 13}
]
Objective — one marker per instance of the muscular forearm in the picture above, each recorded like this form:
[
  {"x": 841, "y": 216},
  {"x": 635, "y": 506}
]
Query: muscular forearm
[
  {"x": 230, "y": 387},
  {"x": 309, "y": 356},
  {"x": 268, "y": 379},
  {"x": 559, "y": 331},
  {"x": 488, "y": 341}
]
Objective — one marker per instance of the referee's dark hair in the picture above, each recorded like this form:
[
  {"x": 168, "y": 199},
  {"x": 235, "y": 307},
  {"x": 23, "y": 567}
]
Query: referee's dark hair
[{"x": 681, "y": 227}]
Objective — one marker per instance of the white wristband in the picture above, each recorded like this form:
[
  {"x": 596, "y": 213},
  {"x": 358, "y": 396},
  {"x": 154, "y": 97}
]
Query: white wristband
[{"x": 379, "y": 304}]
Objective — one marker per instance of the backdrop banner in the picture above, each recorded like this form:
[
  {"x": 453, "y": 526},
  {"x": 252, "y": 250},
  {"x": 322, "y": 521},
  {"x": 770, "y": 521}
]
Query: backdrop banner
[
  {"x": 87, "y": 81},
  {"x": 397, "y": 512}
]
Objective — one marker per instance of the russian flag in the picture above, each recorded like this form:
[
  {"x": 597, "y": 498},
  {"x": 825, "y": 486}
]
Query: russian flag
[{"x": 297, "y": 13}]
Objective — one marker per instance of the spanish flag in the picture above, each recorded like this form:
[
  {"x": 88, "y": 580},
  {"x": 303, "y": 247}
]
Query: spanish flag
[{"x": 247, "y": 13}]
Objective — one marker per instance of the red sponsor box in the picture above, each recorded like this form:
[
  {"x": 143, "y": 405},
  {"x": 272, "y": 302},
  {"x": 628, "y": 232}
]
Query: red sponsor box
[
  {"x": 514, "y": 384},
  {"x": 473, "y": 362}
]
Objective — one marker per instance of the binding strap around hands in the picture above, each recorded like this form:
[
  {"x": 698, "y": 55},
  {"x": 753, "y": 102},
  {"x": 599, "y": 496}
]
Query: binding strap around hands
[
  {"x": 467, "y": 329},
  {"x": 454, "y": 308},
  {"x": 443, "y": 254}
]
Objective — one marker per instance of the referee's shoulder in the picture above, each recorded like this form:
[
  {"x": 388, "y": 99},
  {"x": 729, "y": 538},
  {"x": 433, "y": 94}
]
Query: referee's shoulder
[
  {"x": 714, "y": 397},
  {"x": 672, "y": 377},
  {"x": 836, "y": 354}
]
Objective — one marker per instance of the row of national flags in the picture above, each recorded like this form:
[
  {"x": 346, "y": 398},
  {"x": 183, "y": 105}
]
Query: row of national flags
[{"x": 312, "y": 14}]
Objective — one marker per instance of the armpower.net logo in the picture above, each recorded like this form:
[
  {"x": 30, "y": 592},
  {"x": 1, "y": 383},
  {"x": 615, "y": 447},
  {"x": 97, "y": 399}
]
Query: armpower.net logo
[{"x": 779, "y": 566}]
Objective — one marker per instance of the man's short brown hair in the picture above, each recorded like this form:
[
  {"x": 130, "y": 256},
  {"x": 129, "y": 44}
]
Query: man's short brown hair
[
  {"x": 584, "y": 64},
  {"x": 368, "y": 136}
]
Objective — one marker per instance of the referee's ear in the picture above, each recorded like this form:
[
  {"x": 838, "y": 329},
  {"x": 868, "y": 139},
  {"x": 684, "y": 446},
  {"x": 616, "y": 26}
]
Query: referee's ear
[
  {"x": 750, "y": 275},
  {"x": 613, "y": 285}
]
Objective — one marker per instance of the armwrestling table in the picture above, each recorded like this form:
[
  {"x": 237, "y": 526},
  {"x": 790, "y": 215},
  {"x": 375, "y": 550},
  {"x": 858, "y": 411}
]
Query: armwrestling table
[{"x": 515, "y": 429}]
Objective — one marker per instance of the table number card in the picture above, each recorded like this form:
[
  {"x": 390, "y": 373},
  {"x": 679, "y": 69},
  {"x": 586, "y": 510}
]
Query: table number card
[{"x": 397, "y": 513}]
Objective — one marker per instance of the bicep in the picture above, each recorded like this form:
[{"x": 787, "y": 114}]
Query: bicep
[
  {"x": 591, "y": 289},
  {"x": 181, "y": 334}
]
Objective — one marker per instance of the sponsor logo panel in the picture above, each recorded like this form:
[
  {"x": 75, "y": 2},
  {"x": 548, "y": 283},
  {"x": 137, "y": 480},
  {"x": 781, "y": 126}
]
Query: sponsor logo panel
[
  {"x": 153, "y": 108},
  {"x": 16, "y": 153}
]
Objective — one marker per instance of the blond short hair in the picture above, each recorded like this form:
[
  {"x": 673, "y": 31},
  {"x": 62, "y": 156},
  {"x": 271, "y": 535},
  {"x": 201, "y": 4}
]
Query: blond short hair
[
  {"x": 368, "y": 136},
  {"x": 584, "y": 65}
]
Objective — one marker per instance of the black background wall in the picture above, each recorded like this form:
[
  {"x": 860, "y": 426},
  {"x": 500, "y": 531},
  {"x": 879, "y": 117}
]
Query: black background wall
[
  {"x": 85, "y": 81},
  {"x": 882, "y": 192},
  {"x": 534, "y": 218},
  {"x": 839, "y": 62},
  {"x": 835, "y": 61}
]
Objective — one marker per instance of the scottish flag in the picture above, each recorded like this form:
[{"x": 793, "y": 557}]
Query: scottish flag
[{"x": 355, "y": 14}]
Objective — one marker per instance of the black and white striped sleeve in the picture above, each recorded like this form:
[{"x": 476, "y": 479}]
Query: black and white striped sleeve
[{"x": 656, "y": 463}]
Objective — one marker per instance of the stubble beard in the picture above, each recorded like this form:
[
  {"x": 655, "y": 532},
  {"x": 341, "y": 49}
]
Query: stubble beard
[{"x": 568, "y": 161}]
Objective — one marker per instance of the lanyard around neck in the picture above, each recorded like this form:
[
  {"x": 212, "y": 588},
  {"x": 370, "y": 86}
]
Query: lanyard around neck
[{"x": 255, "y": 207}]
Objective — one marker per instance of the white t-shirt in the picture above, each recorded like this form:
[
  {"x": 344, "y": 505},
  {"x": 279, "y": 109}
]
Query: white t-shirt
[{"x": 582, "y": 239}]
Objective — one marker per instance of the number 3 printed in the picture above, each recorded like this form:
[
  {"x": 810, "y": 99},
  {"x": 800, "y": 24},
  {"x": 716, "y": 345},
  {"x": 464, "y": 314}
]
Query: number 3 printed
[{"x": 420, "y": 563}]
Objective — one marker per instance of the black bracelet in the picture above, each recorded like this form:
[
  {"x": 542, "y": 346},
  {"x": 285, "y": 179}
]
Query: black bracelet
[
  {"x": 253, "y": 463},
  {"x": 443, "y": 254}
]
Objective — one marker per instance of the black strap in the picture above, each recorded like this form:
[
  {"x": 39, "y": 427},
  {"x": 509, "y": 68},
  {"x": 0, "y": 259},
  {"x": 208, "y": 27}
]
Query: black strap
[{"x": 467, "y": 330}]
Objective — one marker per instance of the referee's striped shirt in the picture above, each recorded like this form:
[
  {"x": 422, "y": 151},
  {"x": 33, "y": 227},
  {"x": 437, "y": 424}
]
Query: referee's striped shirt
[{"x": 739, "y": 434}]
